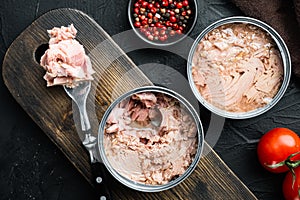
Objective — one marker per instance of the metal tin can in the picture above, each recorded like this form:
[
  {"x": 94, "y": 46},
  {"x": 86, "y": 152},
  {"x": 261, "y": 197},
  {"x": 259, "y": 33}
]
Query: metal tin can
[
  {"x": 285, "y": 56},
  {"x": 148, "y": 187}
]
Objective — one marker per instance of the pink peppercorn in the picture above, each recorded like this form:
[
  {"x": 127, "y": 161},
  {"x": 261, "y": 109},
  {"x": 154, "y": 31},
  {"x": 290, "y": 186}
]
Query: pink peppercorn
[{"x": 173, "y": 19}]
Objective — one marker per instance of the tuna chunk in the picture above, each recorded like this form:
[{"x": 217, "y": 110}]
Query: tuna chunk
[
  {"x": 65, "y": 61},
  {"x": 147, "y": 98}
]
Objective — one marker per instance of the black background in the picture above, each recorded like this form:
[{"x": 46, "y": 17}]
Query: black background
[{"x": 31, "y": 167}]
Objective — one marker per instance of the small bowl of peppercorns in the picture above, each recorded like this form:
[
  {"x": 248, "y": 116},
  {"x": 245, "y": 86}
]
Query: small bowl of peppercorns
[{"x": 162, "y": 22}]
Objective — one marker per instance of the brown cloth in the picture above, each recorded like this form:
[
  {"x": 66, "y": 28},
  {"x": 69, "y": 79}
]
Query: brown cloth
[{"x": 283, "y": 16}]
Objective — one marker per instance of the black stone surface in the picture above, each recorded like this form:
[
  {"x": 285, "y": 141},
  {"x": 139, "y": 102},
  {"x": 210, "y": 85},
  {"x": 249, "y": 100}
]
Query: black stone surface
[{"x": 31, "y": 167}]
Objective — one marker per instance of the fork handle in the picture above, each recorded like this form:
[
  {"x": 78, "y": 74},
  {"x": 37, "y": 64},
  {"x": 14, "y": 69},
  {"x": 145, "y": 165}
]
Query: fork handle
[
  {"x": 84, "y": 119},
  {"x": 101, "y": 181}
]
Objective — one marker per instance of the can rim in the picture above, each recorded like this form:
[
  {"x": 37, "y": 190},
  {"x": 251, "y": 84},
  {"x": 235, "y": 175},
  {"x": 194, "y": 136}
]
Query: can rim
[
  {"x": 285, "y": 56},
  {"x": 144, "y": 187}
]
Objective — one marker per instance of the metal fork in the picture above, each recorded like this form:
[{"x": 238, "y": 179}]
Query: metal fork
[{"x": 79, "y": 95}]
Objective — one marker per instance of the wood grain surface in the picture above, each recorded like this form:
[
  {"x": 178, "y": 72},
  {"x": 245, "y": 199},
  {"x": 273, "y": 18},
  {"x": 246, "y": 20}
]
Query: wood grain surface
[{"x": 115, "y": 74}]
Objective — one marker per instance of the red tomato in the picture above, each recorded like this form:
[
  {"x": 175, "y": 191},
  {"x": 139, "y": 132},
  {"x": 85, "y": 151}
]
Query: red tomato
[
  {"x": 276, "y": 146},
  {"x": 290, "y": 190}
]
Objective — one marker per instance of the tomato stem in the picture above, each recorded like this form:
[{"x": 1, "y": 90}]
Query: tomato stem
[
  {"x": 274, "y": 166},
  {"x": 290, "y": 163}
]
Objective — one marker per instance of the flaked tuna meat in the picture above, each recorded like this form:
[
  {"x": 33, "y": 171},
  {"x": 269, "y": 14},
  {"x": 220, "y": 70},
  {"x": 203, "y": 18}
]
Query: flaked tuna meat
[
  {"x": 143, "y": 152},
  {"x": 237, "y": 67},
  {"x": 60, "y": 34},
  {"x": 148, "y": 99},
  {"x": 65, "y": 61},
  {"x": 139, "y": 114}
]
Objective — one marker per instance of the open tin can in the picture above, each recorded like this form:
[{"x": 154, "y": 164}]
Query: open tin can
[
  {"x": 123, "y": 168},
  {"x": 270, "y": 102}
]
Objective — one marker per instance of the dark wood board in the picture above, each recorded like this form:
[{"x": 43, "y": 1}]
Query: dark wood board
[{"x": 52, "y": 110}]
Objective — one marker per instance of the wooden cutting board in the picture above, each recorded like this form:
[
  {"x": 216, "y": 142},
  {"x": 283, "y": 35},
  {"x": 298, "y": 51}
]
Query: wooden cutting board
[{"x": 115, "y": 74}]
